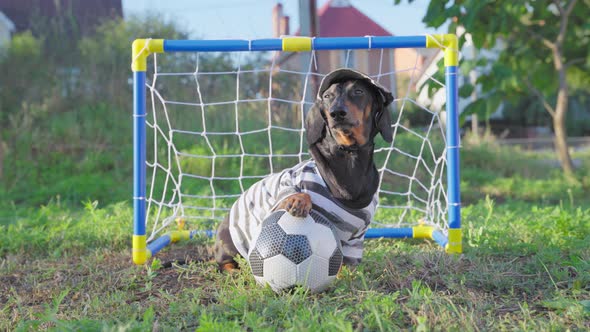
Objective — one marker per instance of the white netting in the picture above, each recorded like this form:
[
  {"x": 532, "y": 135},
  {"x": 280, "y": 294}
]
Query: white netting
[{"x": 218, "y": 122}]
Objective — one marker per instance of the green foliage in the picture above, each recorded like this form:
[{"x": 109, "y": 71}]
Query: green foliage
[
  {"x": 69, "y": 137},
  {"x": 22, "y": 65},
  {"x": 105, "y": 56},
  {"x": 519, "y": 32},
  {"x": 68, "y": 154}
]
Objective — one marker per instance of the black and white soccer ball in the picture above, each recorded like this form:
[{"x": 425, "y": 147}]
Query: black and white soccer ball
[{"x": 291, "y": 251}]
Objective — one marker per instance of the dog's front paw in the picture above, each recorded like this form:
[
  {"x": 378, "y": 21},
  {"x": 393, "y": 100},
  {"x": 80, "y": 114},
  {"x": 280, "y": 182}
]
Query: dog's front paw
[
  {"x": 298, "y": 205},
  {"x": 229, "y": 267}
]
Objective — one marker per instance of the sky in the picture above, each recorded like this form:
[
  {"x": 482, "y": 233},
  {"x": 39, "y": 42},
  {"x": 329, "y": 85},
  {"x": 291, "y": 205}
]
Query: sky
[{"x": 251, "y": 19}]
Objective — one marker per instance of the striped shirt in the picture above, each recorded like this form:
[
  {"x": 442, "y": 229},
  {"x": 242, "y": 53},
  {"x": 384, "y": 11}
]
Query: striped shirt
[{"x": 248, "y": 212}]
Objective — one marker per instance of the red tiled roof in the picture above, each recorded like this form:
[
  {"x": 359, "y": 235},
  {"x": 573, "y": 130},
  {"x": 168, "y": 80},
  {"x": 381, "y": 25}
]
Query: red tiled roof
[{"x": 347, "y": 21}]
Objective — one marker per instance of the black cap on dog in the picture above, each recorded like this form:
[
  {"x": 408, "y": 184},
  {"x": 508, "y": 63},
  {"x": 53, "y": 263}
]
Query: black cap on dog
[{"x": 345, "y": 74}]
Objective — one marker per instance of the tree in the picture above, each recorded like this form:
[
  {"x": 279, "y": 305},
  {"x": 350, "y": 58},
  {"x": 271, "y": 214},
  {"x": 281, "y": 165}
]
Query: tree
[
  {"x": 105, "y": 56},
  {"x": 25, "y": 80},
  {"x": 544, "y": 53}
]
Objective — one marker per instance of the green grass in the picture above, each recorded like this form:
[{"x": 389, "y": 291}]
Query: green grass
[
  {"x": 65, "y": 224},
  {"x": 65, "y": 261},
  {"x": 80, "y": 154},
  {"x": 54, "y": 230},
  {"x": 525, "y": 267}
]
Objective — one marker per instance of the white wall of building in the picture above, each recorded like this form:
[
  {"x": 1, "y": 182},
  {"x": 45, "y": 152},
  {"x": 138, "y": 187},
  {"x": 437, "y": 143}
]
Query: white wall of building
[
  {"x": 6, "y": 29},
  {"x": 469, "y": 52}
]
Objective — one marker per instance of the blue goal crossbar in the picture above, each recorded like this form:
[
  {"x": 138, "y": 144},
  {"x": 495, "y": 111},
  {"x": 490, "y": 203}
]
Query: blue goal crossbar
[{"x": 142, "y": 48}]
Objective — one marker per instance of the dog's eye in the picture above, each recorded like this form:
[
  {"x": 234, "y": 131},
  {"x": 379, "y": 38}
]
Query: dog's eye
[
  {"x": 327, "y": 95},
  {"x": 359, "y": 92}
]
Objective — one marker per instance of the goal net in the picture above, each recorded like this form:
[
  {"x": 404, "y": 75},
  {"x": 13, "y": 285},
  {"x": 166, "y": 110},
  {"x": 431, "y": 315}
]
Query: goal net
[{"x": 219, "y": 118}]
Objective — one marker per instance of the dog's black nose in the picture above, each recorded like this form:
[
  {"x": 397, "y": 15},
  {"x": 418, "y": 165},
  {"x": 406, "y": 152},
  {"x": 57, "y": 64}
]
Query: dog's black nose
[{"x": 337, "y": 113}]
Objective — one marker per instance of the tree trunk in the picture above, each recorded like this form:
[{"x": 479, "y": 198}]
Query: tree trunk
[
  {"x": 561, "y": 146},
  {"x": 473, "y": 81},
  {"x": 475, "y": 127},
  {"x": 559, "y": 116},
  {"x": 2, "y": 145}
]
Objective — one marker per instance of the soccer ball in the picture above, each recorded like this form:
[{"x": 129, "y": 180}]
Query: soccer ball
[{"x": 291, "y": 251}]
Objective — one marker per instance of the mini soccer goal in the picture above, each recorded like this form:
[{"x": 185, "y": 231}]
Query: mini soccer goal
[{"x": 212, "y": 117}]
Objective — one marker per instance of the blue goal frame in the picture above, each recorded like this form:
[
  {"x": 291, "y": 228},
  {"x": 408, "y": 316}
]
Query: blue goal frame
[{"x": 142, "y": 48}]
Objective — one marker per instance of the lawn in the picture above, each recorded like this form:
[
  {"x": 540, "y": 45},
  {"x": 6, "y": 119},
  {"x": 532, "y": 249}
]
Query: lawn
[
  {"x": 525, "y": 266},
  {"x": 66, "y": 210}
]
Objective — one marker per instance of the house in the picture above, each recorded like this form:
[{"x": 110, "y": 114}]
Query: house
[
  {"x": 6, "y": 29},
  {"x": 339, "y": 18},
  {"x": 25, "y": 14},
  {"x": 66, "y": 20},
  {"x": 436, "y": 101}
]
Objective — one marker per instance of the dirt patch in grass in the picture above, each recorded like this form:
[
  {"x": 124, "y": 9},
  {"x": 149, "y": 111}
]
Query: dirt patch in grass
[{"x": 69, "y": 284}]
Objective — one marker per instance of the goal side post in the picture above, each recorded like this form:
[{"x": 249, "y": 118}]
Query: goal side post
[{"x": 143, "y": 48}]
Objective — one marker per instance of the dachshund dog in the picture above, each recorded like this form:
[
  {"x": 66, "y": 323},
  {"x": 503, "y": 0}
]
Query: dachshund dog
[{"x": 340, "y": 182}]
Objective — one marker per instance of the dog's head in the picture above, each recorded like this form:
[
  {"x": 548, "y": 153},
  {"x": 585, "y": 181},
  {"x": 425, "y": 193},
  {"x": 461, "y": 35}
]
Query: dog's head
[{"x": 350, "y": 107}]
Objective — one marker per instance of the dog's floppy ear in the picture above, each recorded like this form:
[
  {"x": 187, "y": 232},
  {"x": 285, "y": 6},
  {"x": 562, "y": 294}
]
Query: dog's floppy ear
[
  {"x": 383, "y": 116},
  {"x": 383, "y": 120},
  {"x": 315, "y": 124}
]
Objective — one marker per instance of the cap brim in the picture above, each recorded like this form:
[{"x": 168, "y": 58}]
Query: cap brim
[{"x": 345, "y": 74}]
